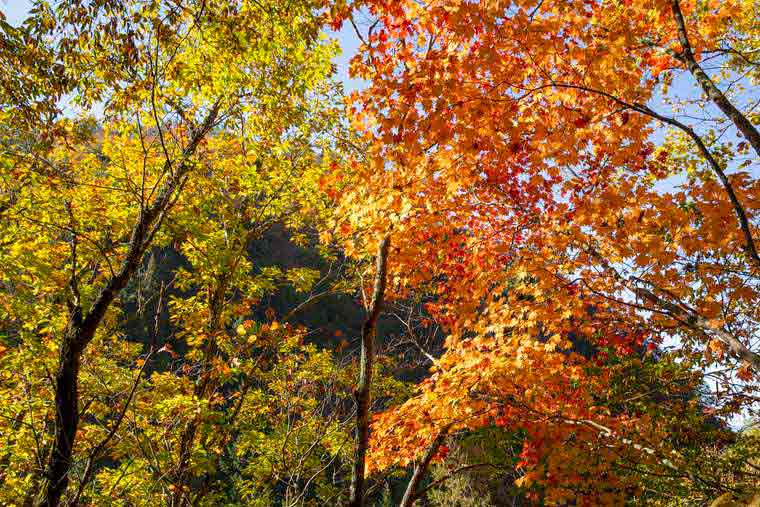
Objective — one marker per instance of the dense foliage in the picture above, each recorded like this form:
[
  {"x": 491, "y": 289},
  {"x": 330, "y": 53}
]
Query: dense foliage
[{"x": 518, "y": 265}]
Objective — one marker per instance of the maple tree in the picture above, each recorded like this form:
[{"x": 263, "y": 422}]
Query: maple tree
[{"x": 513, "y": 150}]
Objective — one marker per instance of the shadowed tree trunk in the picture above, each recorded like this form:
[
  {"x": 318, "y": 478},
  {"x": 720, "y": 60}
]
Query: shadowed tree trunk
[{"x": 81, "y": 326}]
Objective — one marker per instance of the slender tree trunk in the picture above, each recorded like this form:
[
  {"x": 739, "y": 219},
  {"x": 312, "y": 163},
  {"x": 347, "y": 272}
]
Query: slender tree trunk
[
  {"x": 362, "y": 393},
  {"x": 187, "y": 440},
  {"x": 81, "y": 326},
  {"x": 203, "y": 388},
  {"x": 227, "y": 439}
]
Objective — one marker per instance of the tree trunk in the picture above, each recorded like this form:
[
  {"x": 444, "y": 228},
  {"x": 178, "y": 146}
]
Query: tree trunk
[
  {"x": 66, "y": 420},
  {"x": 202, "y": 388},
  {"x": 81, "y": 327},
  {"x": 362, "y": 393}
]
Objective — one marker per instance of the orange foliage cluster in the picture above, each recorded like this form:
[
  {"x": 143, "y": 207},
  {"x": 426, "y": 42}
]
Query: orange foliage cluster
[{"x": 511, "y": 160}]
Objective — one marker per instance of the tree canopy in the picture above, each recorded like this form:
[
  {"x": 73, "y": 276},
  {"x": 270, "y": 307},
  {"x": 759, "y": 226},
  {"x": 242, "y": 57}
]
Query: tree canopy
[{"x": 517, "y": 264}]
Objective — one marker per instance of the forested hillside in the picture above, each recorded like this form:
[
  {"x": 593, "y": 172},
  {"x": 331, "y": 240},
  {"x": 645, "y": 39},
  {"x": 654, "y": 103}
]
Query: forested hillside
[{"x": 511, "y": 259}]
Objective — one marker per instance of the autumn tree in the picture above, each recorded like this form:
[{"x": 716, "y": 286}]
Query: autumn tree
[
  {"x": 515, "y": 157},
  {"x": 167, "y": 75},
  {"x": 263, "y": 175}
]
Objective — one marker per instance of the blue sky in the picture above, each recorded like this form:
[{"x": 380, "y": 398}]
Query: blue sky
[{"x": 14, "y": 10}]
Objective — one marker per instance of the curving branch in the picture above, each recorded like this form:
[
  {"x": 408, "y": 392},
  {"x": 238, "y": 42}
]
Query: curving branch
[
  {"x": 684, "y": 314},
  {"x": 741, "y": 215},
  {"x": 412, "y": 494}
]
